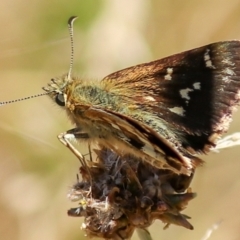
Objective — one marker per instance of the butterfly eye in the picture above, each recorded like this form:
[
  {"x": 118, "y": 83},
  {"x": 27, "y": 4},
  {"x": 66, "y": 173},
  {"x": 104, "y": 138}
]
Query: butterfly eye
[{"x": 60, "y": 99}]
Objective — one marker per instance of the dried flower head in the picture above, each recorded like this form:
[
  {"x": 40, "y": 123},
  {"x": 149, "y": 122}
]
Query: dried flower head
[{"x": 124, "y": 193}]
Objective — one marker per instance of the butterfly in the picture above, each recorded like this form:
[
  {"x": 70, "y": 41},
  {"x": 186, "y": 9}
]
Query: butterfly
[{"x": 165, "y": 112}]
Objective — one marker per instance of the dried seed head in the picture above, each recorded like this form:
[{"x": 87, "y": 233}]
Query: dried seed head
[{"x": 126, "y": 193}]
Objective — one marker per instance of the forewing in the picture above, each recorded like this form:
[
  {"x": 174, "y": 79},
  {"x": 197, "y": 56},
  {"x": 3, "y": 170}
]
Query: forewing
[{"x": 195, "y": 91}]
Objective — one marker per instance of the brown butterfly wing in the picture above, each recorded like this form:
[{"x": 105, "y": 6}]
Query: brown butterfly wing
[{"x": 195, "y": 91}]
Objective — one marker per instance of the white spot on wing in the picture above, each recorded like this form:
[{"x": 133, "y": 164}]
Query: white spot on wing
[
  {"x": 207, "y": 59},
  {"x": 178, "y": 110},
  {"x": 168, "y": 76},
  {"x": 184, "y": 93},
  {"x": 197, "y": 85},
  {"x": 169, "y": 70}
]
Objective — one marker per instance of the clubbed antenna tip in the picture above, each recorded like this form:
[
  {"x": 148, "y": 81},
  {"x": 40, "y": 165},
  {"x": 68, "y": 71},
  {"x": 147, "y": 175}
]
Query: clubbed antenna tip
[{"x": 70, "y": 27}]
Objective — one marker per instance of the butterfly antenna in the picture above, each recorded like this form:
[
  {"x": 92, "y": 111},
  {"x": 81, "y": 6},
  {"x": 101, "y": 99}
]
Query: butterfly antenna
[
  {"x": 22, "y": 99},
  {"x": 70, "y": 28}
]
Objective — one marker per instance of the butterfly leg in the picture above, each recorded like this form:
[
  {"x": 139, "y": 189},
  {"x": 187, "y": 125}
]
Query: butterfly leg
[{"x": 73, "y": 134}]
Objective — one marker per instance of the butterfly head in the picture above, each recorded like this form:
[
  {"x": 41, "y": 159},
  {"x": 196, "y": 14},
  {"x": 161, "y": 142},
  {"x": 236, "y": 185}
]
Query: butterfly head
[{"x": 57, "y": 88}]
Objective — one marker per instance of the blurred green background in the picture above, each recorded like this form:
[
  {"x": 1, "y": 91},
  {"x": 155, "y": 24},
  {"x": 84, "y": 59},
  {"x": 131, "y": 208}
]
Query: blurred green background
[{"x": 36, "y": 171}]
